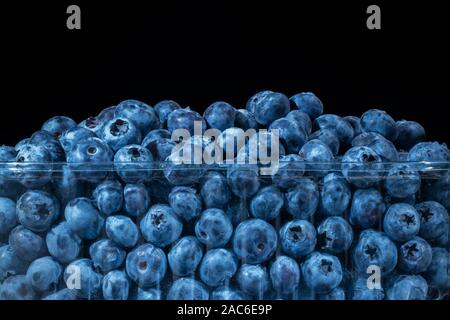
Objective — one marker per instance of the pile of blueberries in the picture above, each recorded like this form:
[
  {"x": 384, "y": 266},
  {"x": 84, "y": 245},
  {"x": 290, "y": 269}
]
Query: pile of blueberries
[{"x": 358, "y": 208}]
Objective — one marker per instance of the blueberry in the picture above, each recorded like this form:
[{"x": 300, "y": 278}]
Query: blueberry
[
  {"x": 50, "y": 143},
  {"x": 291, "y": 134},
  {"x": 161, "y": 226},
  {"x": 106, "y": 255},
  {"x": 430, "y": 152},
  {"x": 214, "y": 228},
  {"x": 185, "y": 202},
  {"x": 73, "y": 135},
  {"x": 214, "y": 190},
  {"x": 253, "y": 280},
  {"x": 439, "y": 190},
  {"x": 8, "y": 218},
  {"x": 122, "y": 231},
  {"x": 11, "y": 264},
  {"x": 187, "y": 289},
  {"x": 67, "y": 185},
  {"x": 37, "y": 210},
  {"x": 268, "y": 106},
  {"x": 120, "y": 132},
  {"x": 27, "y": 244},
  {"x": 402, "y": 181},
  {"x": 335, "y": 235},
  {"x": 408, "y": 288},
  {"x": 44, "y": 274},
  {"x": 21, "y": 144},
  {"x": 58, "y": 125},
  {"x": 164, "y": 108},
  {"x": 309, "y": 103},
  {"x": 303, "y": 199},
  {"x": 328, "y": 137},
  {"x": 313, "y": 152},
  {"x": 438, "y": 271},
  {"x": 133, "y": 163},
  {"x": 141, "y": 114},
  {"x": 83, "y": 218},
  {"x": 108, "y": 196},
  {"x": 7, "y": 154},
  {"x": 245, "y": 120},
  {"x": 285, "y": 275},
  {"x": 63, "y": 294},
  {"x": 335, "y": 195},
  {"x": 410, "y": 133},
  {"x": 382, "y": 146},
  {"x": 401, "y": 222},
  {"x": 81, "y": 277},
  {"x": 341, "y": 128},
  {"x": 229, "y": 143},
  {"x": 302, "y": 119},
  {"x": 360, "y": 290},
  {"x": 17, "y": 288},
  {"x": 146, "y": 265},
  {"x": 267, "y": 203},
  {"x": 148, "y": 294},
  {"x": 355, "y": 122},
  {"x": 218, "y": 266},
  {"x": 153, "y": 136},
  {"x": 298, "y": 238},
  {"x": 322, "y": 272},
  {"x": 374, "y": 248},
  {"x": 116, "y": 286},
  {"x": 93, "y": 124},
  {"x": 254, "y": 241},
  {"x": 136, "y": 199},
  {"x": 243, "y": 180},
  {"x": 367, "y": 208},
  {"x": 185, "y": 119},
  {"x": 362, "y": 167},
  {"x": 261, "y": 148},
  {"x": 220, "y": 115},
  {"x": 434, "y": 220},
  {"x": 107, "y": 114},
  {"x": 185, "y": 256},
  {"x": 290, "y": 168},
  {"x": 415, "y": 256},
  {"x": 227, "y": 293},
  {"x": 159, "y": 143},
  {"x": 33, "y": 166},
  {"x": 379, "y": 121},
  {"x": 63, "y": 244},
  {"x": 335, "y": 294}
]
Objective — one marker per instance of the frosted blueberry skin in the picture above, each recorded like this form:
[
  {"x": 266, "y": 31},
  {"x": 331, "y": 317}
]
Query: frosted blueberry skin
[
  {"x": 374, "y": 248},
  {"x": 410, "y": 133},
  {"x": 267, "y": 203},
  {"x": 402, "y": 181},
  {"x": 290, "y": 133},
  {"x": 8, "y": 219},
  {"x": 328, "y": 137},
  {"x": 58, "y": 125},
  {"x": 159, "y": 143},
  {"x": 106, "y": 114},
  {"x": 430, "y": 152},
  {"x": 227, "y": 293},
  {"x": 63, "y": 244},
  {"x": 322, "y": 272},
  {"x": 154, "y": 136},
  {"x": 44, "y": 274},
  {"x": 245, "y": 120},
  {"x": 302, "y": 119},
  {"x": 37, "y": 210},
  {"x": 108, "y": 197},
  {"x": 362, "y": 167},
  {"x": 335, "y": 294},
  {"x": 61, "y": 295},
  {"x": 184, "y": 119},
  {"x": 90, "y": 280},
  {"x": 37, "y": 174},
  {"x": 214, "y": 228},
  {"x": 290, "y": 168},
  {"x": 367, "y": 208},
  {"x": 83, "y": 218},
  {"x": 285, "y": 275},
  {"x": 303, "y": 199},
  {"x": 122, "y": 230},
  {"x": 22, "y": 143},
  {"x": 164, "y": 108},
  {"x": 220, "y": 115},
  {"x": 146, "y": 265},
  {"x": 106, "y": 255},
  {"x": 379, "y": 121},
  {"x": 93, "y": 124},
  {"x": 434, "y": 220},
  {"x": 50, "y": 143},
  {"x": 308, "y": 103},
  {"x": 142, "y": 115},
  {"x": 17, "y": 288},
  {"x": 136, "y": 199},
  {"x": 133, "y": 163},
  {"x": 335, "y": 235},
  {"x": 116, "y": 286},
  {"x": 254, "y": 241},
  {"x": 148, "y": 294},
  {"x": 243, "y": 180},
  {"x": 437, "y": 273},
  {"x": 161, "y": 226},
  {"x": 268, "y": 106},
  {"x": 253, "y": 280},
  {"x": 298, "y": 238},
  {"x": 7, "y": 154},
  {"x": 187, "y": 289},
  {"x": 335, "y": 195},
  {"x": 407, "y": 287},
  {"x": 26, "y": 244},
  {"x": 439, "y": 190},
  {"x": 237, "y": 210},
  {"x": 66, "y": 185},
  {"x": 355, "y": 122},
  {"x": 414, "y": 256},
  {"x": 10, "y": 263},
  {"x": 401, "y": 222},
  {"x": 185, "y": 256},
  {"x": 316, "y": 151},
  {"x": 253, "y": 100},
  {"x": 214, "y": 190},
  {"x": 185, "y": 202},
  {"x": 120, "y": 132},
  {"x": 218, "y": 266},
  {"x": 341, "y": 128},
  {"x": 383, "y": 147},
  {"x": 360, "y": 291},
  {"x": 73, "y": 135}
]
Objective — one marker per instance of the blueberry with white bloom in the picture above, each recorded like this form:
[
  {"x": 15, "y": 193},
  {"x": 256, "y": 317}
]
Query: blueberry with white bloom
[
  {"x": 164, "y": 108},
  {"x": 133, "y": 163},
  {"x": 335, "y": 195},
  {"x": 82, "y": 278},
  {"x": 401, "y": 222},
  {"x": 214, "y": 190},
  {"x": 44, "y": 274},
  {"x": 187, "y": 289},
  {"x": 367, "y": 208},
  {"x": 309, "y": 103},
  {"x": 185, "y": 202},
  {"x": 161, "y": 226},
  {"x": 410, "y": 133},
  {"x": 116, "y": 285},
  {"x": 402, "y": 181},
  {"x": 322, "y": 272},
  {"x": 218, "y": 266},
  {"x": 415, "y": 256},
  {"x": 220, "y": 115},
  {"x": 142, "y": 115},
  {"x": 214, "y": 228},
  {"x": 136, "y": 199},
  {"x": 119, "y": 132},
  {"x": 146, "y": 265},
  {"x": 268, "y": 106},
  {"x": 328, "y": 137},
  {"x": 303, "y": 199},
  {"x": 379, "y": 121},
  {"x": 267, "y": 203},
  {"x": 298, "y": 238},
  {"x": 185, "y": 256},
  {"x": 341, "y": 128},
  {"x": 109, "y": 197},
  {"x": 58, "y": 125},
  {"x": 335, "y": 235},
  {"x": 375, "y": 141},
  {"x": 362, "y": 167},
  {"x": 63, "y": 244},
  {"x": 106, "y": 255},
  {"x": 122, "y": 230}
]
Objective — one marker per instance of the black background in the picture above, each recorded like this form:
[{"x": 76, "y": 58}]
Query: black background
[{"x": 199, "y": 52}]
